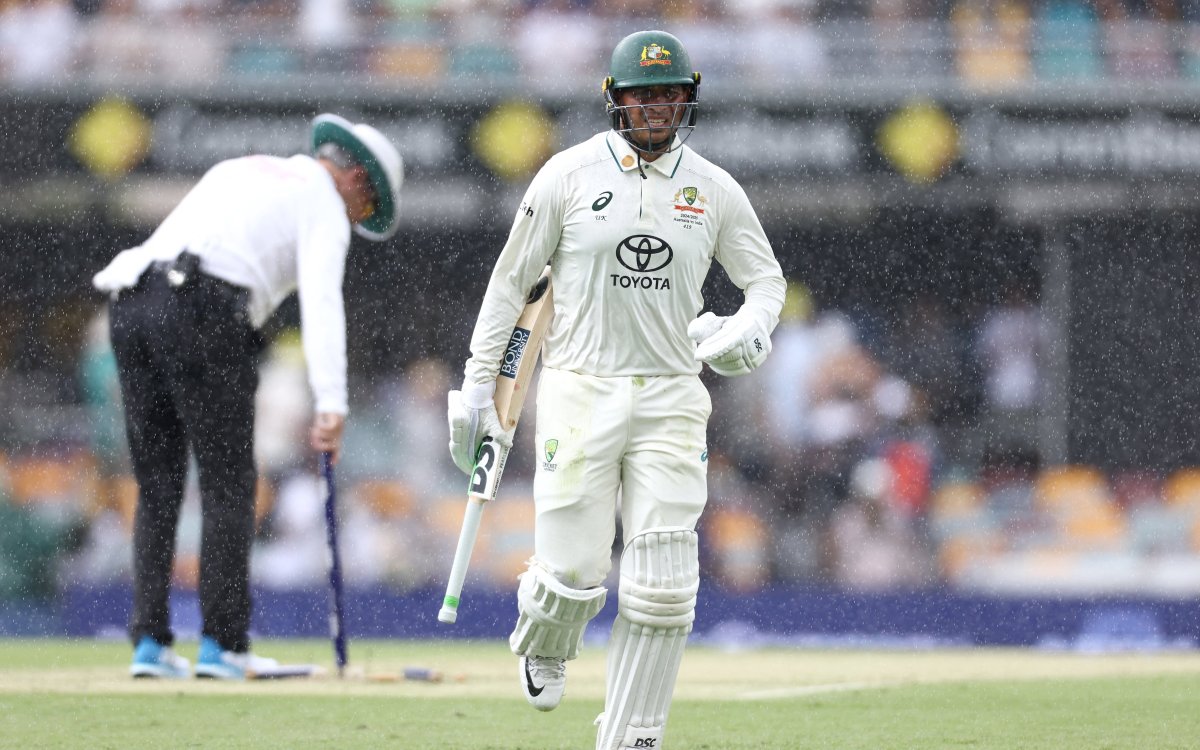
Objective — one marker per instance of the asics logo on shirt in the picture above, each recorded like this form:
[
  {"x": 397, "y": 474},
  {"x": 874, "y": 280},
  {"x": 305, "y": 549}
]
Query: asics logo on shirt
[
  {"x": 644, "y": 253},
  {"x": 600, "y": 203}
]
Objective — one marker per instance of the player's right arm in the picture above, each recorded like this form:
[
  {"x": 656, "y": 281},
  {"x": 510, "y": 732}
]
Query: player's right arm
[
  {"x": 471, "y": 413},
  {"x": 534, "y": 237}
]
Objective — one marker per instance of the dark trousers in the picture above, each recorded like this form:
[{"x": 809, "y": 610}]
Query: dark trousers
[{"x": 187, "y": 360}]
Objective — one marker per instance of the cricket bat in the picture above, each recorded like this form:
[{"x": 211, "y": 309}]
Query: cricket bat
[{"x": 512, "y": 385}]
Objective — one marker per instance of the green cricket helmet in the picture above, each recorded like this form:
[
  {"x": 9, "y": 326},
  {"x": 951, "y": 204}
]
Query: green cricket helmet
[{"x": 651, "y": 58}]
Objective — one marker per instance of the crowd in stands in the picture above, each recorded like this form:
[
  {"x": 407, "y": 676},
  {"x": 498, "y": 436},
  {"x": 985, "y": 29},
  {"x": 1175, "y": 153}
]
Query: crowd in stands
[
  {"x": 829, "y": 466},
  {"x": 562, "y": 42}
]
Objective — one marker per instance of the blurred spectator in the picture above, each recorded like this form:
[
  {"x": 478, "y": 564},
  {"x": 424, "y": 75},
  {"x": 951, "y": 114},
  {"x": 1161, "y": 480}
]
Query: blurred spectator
[
  {"x": 293, "y": 554},
  {"x": 478, "y": 32},
  {"x": 167, "y": 40},
  {"x": 1067, "y": 40},
  {"x": 283, "y": 409},
  {"x": 1138, "y": 37},
  {"x": 899, "y": 44},
  {"x": 873, "y": 545},
  {"x": 705, "y": 25},
  {"x": 120, "y": 41},
  {"x": 1010, "y": 344},
  {"x": 738, "y": 552},
  {"x": 992, "y": 41},
  {"x": 36, "y": 530},
  {"x": 925, "y": 349},
  {"x": 557, "y": 45},
  {"x": 781, "y": 25},
  {"x": 417, "y": 402},
  {"x": 327, "y": 25},
  {"x": 39, "y": 41},
  {"x": 769, "y": 414},
  {"x": 102, "y": 396}
]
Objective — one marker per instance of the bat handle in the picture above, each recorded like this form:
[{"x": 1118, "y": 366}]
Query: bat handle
[
  {"x": 462, "y": 556},
  {"x": 483, "y": 486}
]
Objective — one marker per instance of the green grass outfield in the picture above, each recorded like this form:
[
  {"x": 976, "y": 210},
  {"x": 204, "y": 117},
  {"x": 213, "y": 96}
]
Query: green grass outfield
[{"x": 76, "y": 694}]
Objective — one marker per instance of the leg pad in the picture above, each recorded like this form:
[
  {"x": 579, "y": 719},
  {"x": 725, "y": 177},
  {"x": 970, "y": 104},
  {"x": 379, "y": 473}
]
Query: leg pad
[
  {"x": 552, "y": 616},
  {"x": 660, "y": 573}
]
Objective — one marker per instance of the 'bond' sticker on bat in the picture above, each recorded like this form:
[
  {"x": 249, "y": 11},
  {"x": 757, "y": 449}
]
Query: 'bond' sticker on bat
[{"x": 514, "y": 352}]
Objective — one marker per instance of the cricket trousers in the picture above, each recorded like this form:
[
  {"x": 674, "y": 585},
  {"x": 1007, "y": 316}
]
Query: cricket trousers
[
  {"x": 639, "y": 441},
  {"x": 187, "y": 361}
]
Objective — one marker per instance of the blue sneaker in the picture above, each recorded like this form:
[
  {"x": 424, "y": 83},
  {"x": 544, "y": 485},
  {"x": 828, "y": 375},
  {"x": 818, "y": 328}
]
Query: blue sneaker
[
  {"x": 152, "y": 659},
  {"x": 218, "y": 664}
]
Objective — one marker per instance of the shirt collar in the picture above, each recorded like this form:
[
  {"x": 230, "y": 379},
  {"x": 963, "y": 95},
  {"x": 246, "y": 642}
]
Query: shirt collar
[{"x": 626, "y": 157}]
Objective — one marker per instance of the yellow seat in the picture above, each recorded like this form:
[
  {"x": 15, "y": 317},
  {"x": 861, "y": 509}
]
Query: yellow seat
[
  {"x": 1182, "y": 488},
  {"x": 738, "y": 541},
  {"x": 53, "y": 479},
  {"x": 1070, "y": 488},
  {"x": 386, "y": 498},
  {"x": 1097, "y": 527},
  {"x": 411, "y": 61},
  {"x": 956, "y": 499}
]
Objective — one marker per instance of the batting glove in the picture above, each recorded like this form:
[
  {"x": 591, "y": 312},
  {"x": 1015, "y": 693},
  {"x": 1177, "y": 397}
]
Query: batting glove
[
  {"x": 731, "y": 345},
  {"x": 472, "y": 416}
]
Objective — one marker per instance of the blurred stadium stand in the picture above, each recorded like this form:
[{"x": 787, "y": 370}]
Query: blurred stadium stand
[{"x": 926, "y": 171}]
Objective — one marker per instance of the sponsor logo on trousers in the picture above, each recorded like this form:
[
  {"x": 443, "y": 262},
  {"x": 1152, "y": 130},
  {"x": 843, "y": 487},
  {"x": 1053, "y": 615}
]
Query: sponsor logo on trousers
[{"x": 640, "y": 282}]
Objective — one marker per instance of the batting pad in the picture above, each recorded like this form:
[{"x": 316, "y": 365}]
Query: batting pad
[
  {"x": 660, "y": 573},
  {"x": 553, "y": 616}
]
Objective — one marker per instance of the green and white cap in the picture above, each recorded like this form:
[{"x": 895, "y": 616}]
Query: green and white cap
[{"x": 379, "y": 157}]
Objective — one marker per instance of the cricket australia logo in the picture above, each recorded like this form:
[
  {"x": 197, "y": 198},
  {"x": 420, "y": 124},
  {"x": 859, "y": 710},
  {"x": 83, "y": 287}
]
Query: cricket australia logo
[
  {"x": 643, "y": 254},
  {"x": 550, "y": 448},
  {"x": 689, "y": 207},
  {"x": 513, "y": 352},
  {"x": 655, "y": 54}
]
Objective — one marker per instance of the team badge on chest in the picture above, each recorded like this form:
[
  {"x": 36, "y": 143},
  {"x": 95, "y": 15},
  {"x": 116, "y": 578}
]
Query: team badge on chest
[{"x": 689, "y": 207}]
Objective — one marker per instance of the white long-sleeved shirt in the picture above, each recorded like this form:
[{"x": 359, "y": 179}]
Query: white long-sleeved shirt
[
  {"x": 629, "y": 257},
  {"x": 272, "y": 225}
]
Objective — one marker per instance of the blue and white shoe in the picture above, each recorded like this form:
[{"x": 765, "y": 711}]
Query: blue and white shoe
[
  {"x": 218, "y": 664},
  {"x": 152, "y": 659}
]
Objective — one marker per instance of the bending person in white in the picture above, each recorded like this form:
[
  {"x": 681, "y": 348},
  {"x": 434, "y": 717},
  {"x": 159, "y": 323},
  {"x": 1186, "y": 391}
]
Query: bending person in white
[
  {"x": 186, "y": 310},
  {"x": 630, "y": 222}
]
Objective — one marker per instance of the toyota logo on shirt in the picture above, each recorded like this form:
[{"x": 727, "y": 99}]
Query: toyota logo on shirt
[{"x": 644, "y": 253}]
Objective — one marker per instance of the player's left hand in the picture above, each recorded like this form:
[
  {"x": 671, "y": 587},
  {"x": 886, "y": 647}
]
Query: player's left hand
[
  {"x": 471, "y": 415},
  {"x": 733, "y": 345}
]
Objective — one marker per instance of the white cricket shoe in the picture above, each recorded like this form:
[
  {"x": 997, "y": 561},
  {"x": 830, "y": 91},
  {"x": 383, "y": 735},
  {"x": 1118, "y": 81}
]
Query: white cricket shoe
[
  {"x": 218, "y": 664},
  {"x": 544, "y": 679}
]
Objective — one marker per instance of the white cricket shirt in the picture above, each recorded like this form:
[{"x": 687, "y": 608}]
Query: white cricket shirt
[
  {"x": 629, "y": 257},
  {"x": 272, "y": 225}
]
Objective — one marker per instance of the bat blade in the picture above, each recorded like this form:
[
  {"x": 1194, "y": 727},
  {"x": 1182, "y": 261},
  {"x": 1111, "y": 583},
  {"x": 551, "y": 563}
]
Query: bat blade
[
  {"x": 516, "y": 371},
  {"x": 521, "y": 353}
]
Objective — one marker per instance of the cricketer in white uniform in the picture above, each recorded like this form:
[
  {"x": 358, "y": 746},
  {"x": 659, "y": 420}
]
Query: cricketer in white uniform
[
  {"x": 630, "y": 222},
  {"x": 186, "y": 310}
]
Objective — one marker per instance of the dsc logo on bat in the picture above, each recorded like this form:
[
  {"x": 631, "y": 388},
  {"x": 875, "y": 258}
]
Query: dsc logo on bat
[
  {"x": 489, "y": 465},
  {"x": 513, "y": 352}
]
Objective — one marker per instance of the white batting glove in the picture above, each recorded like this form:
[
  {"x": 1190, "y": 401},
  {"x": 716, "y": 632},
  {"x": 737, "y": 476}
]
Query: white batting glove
[
  {"x": 732, "y": 345},
  {"x": 471, "y": 415}
]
